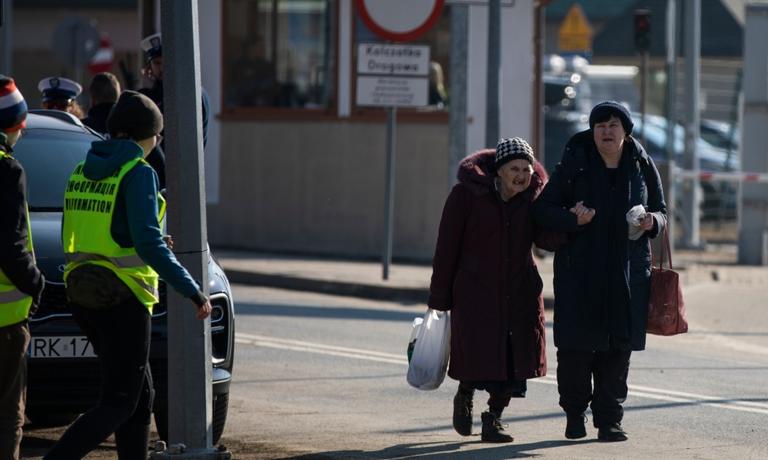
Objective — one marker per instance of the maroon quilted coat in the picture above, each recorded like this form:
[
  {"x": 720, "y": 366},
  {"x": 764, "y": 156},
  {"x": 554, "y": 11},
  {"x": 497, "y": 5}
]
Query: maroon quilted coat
[{"x": 484, "y": 272}]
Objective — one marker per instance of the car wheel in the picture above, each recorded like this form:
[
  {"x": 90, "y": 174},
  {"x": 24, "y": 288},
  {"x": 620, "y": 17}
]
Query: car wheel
[{"x": 220, "y": 409}]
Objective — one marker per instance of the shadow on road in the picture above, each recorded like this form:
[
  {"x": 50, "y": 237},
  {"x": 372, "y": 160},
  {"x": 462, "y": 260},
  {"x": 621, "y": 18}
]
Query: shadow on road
[
  {"x": 307, "y": 311},
  {"x": 445, "y": 450}
]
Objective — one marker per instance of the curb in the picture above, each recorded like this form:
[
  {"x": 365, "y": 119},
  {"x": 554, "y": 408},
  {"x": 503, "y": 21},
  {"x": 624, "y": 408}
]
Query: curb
[{"x": 342, "y": 288}]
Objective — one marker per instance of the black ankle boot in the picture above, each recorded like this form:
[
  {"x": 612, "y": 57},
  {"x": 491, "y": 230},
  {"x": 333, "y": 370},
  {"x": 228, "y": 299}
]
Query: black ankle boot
[
  {"x": 493, "y": 430},
  {"x": 575, "y": 427},
  {"x": 611, "y": 433},
  {"x": 462, "y": 412}
]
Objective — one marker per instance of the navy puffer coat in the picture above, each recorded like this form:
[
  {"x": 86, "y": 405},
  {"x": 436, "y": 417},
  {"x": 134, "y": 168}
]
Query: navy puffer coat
[{"x": 601, "y": 277}]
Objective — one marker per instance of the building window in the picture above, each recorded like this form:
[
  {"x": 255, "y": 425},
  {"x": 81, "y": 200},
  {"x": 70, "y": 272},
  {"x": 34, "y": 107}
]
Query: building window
[
  {"x": 279, "y": 53},
  {"x": 439, "y": 41}
]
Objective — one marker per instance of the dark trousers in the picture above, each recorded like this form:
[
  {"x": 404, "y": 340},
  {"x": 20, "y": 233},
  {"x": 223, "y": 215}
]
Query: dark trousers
[
  {"x": 120, "y": 336},
  {"x": 609, "y": 369},
  {"x": 14, "y": 341},
  {"x": 499, "y": 394}
]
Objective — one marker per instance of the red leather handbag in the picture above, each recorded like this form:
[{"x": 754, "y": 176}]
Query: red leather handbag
[{"x": 666, "y": 308}]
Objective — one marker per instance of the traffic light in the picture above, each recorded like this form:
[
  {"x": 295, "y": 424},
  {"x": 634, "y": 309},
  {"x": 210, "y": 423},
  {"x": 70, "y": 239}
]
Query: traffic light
[{"x": 642, "y": 30}]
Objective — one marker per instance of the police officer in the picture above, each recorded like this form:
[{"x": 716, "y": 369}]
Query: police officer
[
  {"x": 59, "y": 93},
  {"x": 21, "y": 283},
  {"x": 115, "y": 252},
  {"x": 153, "y": 47}
]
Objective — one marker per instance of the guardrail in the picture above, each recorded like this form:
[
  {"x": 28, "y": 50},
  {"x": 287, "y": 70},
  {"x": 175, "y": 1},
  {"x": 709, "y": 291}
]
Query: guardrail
[{"x": 733, "y": 176}]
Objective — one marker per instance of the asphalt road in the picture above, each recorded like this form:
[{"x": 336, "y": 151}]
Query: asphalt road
[
  {"x": 324, "y": 375},
  {"x": 321, "y": 377}
]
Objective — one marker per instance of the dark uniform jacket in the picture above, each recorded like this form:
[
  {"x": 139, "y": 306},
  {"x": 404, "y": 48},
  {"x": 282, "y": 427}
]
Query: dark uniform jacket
[
  {"x": 97, "y": 117},
  {"x": 601, "y": 277},
  {"x": 484, "y": 272}
]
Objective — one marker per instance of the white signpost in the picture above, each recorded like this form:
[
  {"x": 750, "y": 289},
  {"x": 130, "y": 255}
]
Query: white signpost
[
  {"x": 394, "y": 75},
  {"x": 391, "y": 76}
]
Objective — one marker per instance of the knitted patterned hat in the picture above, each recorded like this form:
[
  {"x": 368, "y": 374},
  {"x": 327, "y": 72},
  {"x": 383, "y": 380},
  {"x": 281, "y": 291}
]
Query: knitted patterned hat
[
  {"x": 13, "y": 108},
  {"x": 514, "y": 148}
]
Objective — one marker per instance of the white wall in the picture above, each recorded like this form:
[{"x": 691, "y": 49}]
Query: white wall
[
  {"x": 209, "y": 14},
  {"x": 516, "y": 72}
]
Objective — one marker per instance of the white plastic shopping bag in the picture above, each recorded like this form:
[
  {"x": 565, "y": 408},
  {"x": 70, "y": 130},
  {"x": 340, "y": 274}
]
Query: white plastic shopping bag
[{"x": 429, "y": 361}]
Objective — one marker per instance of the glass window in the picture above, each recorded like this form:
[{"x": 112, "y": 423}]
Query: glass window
[
  {"x": 279, "y": 53},
  {"x": 439, "y": 40}
]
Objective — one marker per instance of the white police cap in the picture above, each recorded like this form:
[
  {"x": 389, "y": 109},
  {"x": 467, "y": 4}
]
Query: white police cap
[
  {"x": 59, "y": 88},
  {"x": 153, "y": 46}
]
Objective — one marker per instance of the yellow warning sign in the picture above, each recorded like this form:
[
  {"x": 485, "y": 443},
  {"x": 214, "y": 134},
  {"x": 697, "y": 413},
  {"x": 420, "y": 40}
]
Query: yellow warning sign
[{"x": 575, "y": 33}]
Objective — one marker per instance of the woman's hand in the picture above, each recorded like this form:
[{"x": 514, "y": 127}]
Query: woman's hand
[
  {"x": 584, "y": 214},
  {"x": 168, "y": 241},
  {"x": 647, "y": 223}
]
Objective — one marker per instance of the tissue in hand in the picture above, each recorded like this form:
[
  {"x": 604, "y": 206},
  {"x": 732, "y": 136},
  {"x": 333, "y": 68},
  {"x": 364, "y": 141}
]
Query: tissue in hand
[{"x": 635, "y": 217}]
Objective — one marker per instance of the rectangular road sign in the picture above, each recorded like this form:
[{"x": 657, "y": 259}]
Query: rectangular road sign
[
  {"x": 394, "y": 91},
  {"x": 385, "y": 59}
]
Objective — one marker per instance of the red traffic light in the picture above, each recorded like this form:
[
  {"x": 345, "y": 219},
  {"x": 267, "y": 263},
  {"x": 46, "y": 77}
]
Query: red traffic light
[{"x": 642, "y": 30}]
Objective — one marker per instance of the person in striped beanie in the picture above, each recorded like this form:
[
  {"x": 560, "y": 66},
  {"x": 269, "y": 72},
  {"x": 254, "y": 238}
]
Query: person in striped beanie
[
  {"x": 21, "y": 283},
  {"x": 13, "y": 107}
]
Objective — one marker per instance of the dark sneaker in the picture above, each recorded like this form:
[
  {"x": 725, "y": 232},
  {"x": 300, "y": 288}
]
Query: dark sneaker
[
  {"x": 462, "y": 413},
  {"x": 611, "y": 433},
  {"x": 576, "y": 427},
  {"x": 493, "y": 430}
]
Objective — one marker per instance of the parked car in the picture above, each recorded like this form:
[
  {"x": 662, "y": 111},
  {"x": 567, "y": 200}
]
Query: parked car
[
  {"x": 720, "y": 199},
  {"x": 720, "y": 134},
  {"x": 63, "y": 370}
]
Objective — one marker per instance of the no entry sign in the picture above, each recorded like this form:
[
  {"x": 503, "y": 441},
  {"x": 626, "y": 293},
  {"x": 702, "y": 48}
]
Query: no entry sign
[{"x": 400, "y": 20}]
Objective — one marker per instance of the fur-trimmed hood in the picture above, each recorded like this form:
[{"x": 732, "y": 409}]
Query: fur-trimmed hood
[{"x": 477, "y": 173}]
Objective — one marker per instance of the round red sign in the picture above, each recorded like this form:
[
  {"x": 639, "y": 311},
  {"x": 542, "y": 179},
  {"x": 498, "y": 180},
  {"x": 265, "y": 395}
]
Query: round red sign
[{"x": 400, "y": 20}]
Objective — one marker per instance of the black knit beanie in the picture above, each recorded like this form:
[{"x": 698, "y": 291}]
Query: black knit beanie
[
  {"x": 135, "y": 116},
  {"x": 603, "y": 111}
]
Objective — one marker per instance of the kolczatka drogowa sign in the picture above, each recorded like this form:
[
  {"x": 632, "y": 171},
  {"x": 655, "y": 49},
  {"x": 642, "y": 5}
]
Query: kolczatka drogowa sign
[{"x": 392, "y": 75}]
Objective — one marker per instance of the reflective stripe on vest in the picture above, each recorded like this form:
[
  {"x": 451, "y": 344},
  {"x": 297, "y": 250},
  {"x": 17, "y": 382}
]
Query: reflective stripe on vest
[
  {"x": 14, "y": 304},
  {"x": 87, "y": 236}
]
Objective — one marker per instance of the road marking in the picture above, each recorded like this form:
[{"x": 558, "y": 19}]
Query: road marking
[{"x": 640, "y": 391}]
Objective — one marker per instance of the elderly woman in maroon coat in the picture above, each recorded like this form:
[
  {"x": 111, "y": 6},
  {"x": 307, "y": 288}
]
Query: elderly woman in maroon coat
[{"x": 485, "y": 274}]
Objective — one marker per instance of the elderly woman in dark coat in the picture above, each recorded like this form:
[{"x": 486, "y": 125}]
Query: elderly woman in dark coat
[
  {"x": 485, "y": 274},
  {"x": 602, "y": 275}
]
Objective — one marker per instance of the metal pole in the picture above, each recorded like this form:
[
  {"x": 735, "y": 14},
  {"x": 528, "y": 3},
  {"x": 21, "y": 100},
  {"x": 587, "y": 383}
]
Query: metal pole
[
  {"x": 643, "y": 92},
  {"x": 458, "y": 98},
  {"x": 189, "y": 344},
  {"x": 753, "y": 212},
  {"x": 692, "y": 190},
  {"x": 492, "y": 107},
  {"x": 78, "y": 66},
  {"x": 671, "y": 119},
  {"x": 539, "y": 144},
  {"x": 6, "y": 50},
  {"x": 389, "y": 194}
]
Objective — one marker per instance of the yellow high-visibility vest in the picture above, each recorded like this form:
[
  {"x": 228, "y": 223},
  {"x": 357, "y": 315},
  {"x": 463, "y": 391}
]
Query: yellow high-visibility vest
[
  {"x": 87, "y": 232},
  {"x": 14, "y": 304}
]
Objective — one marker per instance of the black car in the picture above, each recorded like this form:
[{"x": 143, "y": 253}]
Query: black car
[{"x": 63, "y": 370}]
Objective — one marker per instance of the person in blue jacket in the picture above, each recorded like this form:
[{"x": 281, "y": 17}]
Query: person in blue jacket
[
  {"x": 112, "y": 279},
  {"x": 602, "y": 274}
]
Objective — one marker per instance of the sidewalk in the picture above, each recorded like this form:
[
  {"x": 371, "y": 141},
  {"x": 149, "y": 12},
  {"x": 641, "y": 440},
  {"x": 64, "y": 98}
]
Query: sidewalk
[{"x": 410, "y": 282}]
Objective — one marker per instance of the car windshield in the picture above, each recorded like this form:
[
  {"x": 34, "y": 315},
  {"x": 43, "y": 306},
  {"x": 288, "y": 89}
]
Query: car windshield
[{"x": 49, "y": 157}]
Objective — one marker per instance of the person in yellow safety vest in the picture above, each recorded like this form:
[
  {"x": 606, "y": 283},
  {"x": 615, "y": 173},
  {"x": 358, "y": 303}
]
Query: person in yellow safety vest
[
  {"x": 21, "y": 283},
  {"x": 115, "y": 252}
]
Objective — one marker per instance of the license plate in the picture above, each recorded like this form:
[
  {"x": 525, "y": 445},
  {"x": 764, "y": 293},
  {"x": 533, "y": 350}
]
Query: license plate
[{"x": 61, "y": 347}]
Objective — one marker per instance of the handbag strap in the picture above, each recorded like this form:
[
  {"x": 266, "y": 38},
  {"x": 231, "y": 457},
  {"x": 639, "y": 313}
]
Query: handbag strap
[{"x": 665, "y": 248}]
